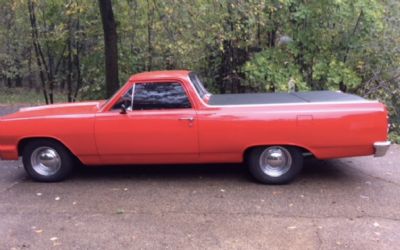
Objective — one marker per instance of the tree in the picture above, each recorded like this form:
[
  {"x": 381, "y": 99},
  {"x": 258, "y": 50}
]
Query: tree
[
  {"x": 235, "y": 45},
  {"x": 110, "y": 46}
]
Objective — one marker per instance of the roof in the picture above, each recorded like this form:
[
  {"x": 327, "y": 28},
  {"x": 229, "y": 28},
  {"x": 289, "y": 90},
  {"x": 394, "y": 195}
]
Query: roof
[{"x": 159, "y": 75}]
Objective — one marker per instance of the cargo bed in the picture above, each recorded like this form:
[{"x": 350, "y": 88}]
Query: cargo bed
[{"x": 281, "y": 98}]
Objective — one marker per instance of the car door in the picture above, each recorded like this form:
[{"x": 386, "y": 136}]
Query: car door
[{"x": 159, "y": 126}]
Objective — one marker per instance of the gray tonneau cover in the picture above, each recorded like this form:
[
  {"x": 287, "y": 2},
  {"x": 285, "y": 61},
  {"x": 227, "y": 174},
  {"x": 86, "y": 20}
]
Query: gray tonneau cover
[{"x": 277, "y": 98}]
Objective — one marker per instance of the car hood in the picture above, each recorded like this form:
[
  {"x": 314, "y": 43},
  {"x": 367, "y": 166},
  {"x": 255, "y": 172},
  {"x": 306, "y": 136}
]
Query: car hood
[{"x": 63, "y": 109}]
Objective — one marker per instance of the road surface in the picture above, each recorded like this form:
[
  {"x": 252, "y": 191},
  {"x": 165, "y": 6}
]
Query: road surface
[{"x": 350, "y": 203}]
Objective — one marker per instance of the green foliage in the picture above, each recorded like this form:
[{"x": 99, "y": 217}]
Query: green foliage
[
  {"x": 336, "y": 73},
  {"x": 272, "y": 69},
  {"x": 327, "y": 45},
  {"x": 394, "y": 137},
  {"x": 25, "y": 96}
]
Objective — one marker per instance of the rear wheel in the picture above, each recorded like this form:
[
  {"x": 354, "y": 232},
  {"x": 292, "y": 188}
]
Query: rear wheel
[
  {"x": 275, "y": 164},
  {"x": 47, "y": 160}
]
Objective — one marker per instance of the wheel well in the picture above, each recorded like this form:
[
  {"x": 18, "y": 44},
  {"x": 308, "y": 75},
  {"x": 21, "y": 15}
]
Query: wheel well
[
  {"x": 22, "y": 143},
  {"x": 247, "y": 151}
]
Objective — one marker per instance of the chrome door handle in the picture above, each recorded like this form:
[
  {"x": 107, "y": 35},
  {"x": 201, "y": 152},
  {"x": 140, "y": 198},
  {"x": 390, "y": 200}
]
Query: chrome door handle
[{"x": 190, "y": 119}]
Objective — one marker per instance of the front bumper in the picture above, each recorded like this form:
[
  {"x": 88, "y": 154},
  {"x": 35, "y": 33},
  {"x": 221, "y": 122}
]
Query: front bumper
[{"x": 381, "y": 148}]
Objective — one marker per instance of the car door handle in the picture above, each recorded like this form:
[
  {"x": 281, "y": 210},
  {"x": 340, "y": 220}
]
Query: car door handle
[{"x": 190, "y": 119}]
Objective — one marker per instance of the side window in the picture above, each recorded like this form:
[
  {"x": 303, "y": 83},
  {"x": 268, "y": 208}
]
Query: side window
[
  {"x": 149, "y": 96},
  {"x": 125, "y": 99}
]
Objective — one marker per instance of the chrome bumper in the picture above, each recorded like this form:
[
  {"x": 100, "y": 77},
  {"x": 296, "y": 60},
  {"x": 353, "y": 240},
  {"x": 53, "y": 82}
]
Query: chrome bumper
[{"x": 381, "y": 148}]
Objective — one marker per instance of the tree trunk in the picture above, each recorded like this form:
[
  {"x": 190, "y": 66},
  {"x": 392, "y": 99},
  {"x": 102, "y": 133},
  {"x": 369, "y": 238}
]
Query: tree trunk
[
  {"x": 77, "y": 63},
  {"x": 18, "y": 81},
  {"x": 150, "y": 19},
  {"x": 38, "y": 51},
  {"x": 63, "y": 80},
  {"x": 30, "y": 76},
  {"x": 9, "y": 83},
  {"x": 18, "y": 77},
  {"x": 51, "y": 78},
  {"x": 110, "y": 46},
  {"x": 352, "y": 35},
  {"x": 69, "y": 63},
  {"x": 272, "y": 33}
]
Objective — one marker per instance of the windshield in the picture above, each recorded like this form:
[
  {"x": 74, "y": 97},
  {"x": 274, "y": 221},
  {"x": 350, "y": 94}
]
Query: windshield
[{"x": 198, "y": 85}]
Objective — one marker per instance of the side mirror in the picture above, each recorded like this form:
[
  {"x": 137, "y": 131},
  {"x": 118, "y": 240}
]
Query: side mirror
[{"x": 123, "y": 109}]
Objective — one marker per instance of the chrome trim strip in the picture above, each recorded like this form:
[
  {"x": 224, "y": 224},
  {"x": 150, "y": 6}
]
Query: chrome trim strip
[
  {"x": 59, "y": 105},
  {"x": 381, "y": 148}
]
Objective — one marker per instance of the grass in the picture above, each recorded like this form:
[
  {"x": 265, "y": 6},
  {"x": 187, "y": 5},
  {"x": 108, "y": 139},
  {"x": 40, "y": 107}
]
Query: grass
[
  {"x": 394, "y": 137},
  {"x": 27, "y": 96}
]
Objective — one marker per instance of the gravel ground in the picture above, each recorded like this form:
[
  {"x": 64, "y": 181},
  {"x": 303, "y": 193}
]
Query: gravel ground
[{"x": 349, "y": 203}]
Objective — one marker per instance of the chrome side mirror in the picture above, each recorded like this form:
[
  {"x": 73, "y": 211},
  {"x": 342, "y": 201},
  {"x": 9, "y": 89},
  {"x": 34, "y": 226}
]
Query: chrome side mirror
[{"x": 123, "y": 109}]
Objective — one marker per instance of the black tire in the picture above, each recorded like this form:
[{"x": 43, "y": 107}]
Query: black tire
[
  {"x": 289, "y": 174},
  {"x": 63, "y": 170}
]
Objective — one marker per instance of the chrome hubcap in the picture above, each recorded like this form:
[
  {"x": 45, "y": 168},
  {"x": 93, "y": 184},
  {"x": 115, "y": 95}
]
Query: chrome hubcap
[
  {"x": 275, "y": 161},
  {"x": 45, "y": 161}
]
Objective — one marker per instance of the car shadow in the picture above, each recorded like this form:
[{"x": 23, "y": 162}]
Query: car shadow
[
  {"x": 334, "y": 170},
  {"x": 237, "y": 172}
]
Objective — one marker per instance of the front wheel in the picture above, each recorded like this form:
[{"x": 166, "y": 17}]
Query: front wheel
[
  {"x": 275, "y": 164},
  {"x": 47, "y": 161}
]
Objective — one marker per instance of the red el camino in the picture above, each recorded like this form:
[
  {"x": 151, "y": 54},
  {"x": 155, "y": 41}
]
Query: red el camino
[{"x": 168, "y": 117}]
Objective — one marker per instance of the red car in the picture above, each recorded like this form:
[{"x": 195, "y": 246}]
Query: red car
[{"x": 168, "y": 117}]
